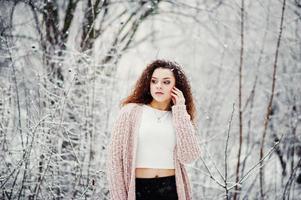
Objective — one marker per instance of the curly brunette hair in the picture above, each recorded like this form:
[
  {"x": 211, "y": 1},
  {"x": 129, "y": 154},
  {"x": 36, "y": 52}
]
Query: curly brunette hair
[{"x": 141, "y": 92}]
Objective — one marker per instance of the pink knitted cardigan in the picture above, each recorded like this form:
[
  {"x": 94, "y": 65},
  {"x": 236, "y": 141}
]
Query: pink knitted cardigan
[{"x": 120, "y": 165}]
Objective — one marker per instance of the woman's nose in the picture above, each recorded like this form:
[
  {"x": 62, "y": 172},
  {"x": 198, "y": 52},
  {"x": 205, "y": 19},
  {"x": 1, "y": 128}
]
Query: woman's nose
[{"x": 159, "y": 85}]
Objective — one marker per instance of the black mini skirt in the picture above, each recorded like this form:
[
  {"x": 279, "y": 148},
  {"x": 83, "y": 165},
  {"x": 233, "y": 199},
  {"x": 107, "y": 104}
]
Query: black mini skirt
[{"x": 160, "y": 188}]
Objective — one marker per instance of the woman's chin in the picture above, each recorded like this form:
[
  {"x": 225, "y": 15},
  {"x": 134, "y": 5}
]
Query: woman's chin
[{"x": 162, "y": 100}]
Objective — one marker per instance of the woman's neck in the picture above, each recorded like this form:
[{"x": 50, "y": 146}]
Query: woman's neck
[{"x": 159, "y": 105}]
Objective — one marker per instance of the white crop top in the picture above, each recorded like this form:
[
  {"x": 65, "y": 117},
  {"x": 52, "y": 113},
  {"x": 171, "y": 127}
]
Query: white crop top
[{"x": 156, "y": 140}]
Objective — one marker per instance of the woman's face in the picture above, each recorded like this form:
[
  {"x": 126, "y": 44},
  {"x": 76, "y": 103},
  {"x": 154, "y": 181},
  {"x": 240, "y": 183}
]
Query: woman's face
[{"x": 161, "y": 84}]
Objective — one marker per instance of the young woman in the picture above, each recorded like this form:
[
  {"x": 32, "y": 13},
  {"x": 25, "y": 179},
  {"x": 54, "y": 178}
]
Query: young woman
[{"x": 153, "y": 137}]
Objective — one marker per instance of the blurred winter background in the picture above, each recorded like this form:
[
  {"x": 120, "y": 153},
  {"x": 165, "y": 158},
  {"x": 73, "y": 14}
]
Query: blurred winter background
[{"x": 66, "y": 64}]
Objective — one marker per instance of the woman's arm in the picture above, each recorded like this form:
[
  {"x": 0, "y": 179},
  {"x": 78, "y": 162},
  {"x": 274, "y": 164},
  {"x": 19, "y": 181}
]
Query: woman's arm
[
  {"x": 115, "y": 171},
  {"x": 188, "y": 149}
]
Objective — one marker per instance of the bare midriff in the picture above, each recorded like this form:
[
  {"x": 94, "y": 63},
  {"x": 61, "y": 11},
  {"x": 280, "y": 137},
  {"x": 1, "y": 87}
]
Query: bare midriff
[{"x": 152, "y": 172}]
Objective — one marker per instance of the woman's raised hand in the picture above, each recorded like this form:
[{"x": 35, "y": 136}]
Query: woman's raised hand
[{"x": 177, "y": 96}]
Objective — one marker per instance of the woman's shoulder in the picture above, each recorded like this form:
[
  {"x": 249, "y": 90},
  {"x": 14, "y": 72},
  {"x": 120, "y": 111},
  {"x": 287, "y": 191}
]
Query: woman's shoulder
[{"x": 128, "y": 107}]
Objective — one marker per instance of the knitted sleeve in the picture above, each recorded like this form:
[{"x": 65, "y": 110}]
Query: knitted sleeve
[
  {"x": 188, "y": 149},
  {"x": 114, "y": 165}
]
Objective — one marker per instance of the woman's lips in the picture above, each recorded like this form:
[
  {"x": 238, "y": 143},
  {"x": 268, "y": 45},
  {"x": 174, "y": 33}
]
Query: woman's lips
[{"x": 159, "y": 93}]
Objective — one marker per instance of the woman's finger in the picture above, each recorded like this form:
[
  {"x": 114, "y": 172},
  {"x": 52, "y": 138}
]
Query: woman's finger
[
  {"x": 174, "y": 89},
  {"x": 173, "y": 92},
  {"x": 175, "y": 95}
]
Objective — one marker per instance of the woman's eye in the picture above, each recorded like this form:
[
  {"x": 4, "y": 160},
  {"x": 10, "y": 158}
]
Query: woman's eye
[{"x": 165, "y": 82}]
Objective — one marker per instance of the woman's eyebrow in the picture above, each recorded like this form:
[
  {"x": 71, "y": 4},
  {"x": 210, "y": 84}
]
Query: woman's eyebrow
[{"x": 163, "y": 78}]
